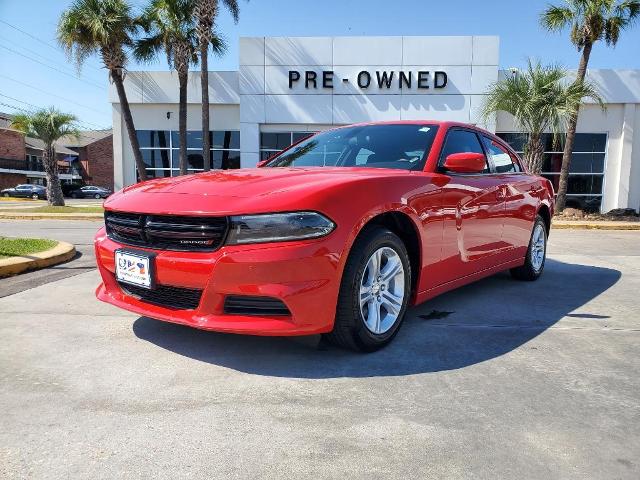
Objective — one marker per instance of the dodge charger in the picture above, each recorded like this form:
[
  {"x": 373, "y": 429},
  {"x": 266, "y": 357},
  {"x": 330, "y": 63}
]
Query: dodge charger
[{"x": 336, "y": 235}]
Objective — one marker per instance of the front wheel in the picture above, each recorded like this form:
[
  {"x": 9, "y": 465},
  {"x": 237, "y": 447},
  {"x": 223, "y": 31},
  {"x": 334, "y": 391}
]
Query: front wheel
[
  {"x": 35, "y": 196},
  {"x": 97, "y": 196},
  {"x": 6, "y": 195},
  {"x": 374, "y": 292},
  {"x": 536, "y": 253}
]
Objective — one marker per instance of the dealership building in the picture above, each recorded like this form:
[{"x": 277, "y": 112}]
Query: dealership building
[{"x": 287, "y": 87}]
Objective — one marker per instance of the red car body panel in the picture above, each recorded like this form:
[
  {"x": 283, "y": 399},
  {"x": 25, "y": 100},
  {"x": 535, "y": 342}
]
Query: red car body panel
[{"x": 468, "y": 227}]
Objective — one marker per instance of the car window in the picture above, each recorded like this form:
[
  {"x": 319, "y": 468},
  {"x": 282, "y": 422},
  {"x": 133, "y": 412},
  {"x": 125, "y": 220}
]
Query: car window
[
  {"x": 399, "y": 146},
  {"x": 502, "y": 160},
  {"x": 23, "y": 187},
  {"x": 461, "y": 141}
]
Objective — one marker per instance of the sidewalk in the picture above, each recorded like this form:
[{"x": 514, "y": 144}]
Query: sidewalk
[{"x": 594, "y": 225}]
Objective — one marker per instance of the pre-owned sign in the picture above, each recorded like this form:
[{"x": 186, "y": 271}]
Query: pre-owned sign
[{"x": 422, "y": 79}]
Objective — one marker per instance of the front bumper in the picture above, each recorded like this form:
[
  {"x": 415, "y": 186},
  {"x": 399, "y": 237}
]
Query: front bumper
[{"x": 305, "y": 276}]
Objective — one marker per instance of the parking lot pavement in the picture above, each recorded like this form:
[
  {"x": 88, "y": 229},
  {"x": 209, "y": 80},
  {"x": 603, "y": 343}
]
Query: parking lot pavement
[
  {"x": 500, "y": 379},
  {"x": 78, "y": 232}
]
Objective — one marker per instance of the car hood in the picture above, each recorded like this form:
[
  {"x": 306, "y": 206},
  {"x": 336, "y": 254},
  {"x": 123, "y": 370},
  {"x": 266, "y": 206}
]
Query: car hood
[{"x": 245, "y": 190}]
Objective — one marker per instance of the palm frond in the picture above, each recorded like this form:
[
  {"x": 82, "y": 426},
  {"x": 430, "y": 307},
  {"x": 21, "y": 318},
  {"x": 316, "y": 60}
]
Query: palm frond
[
  {"x": 146, "y": 49},
  {"x": 542, "y": 98},
  {"x": 47, "y": 124},
  {"x": 169, "y": 24},
  {"x": 234, "y": 9},
  {"x": 218, "y": 45},
  {"x": 592, "y": 20},
  {"x": 91, "y": 26},
  {"x": 556, "y": 18}
]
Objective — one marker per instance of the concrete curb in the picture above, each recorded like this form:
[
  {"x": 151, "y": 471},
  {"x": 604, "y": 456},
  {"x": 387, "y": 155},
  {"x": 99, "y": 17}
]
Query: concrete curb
[
  {"x": 62, "y": 252},
  {"x": 51, "y": 216},
  {"x": 577, "y": 225}
]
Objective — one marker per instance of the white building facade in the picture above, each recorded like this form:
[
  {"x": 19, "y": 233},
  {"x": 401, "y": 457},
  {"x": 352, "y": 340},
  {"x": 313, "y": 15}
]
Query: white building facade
[{"x": 287, "y": 87}]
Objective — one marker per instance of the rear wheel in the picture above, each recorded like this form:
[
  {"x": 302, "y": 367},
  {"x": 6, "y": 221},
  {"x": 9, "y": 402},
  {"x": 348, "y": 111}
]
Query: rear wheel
[
  {"x": 97, "y": 196},
  {"x": 6, "y": 195},
  {"x": 374, "y": 292},
  {"x": 536, "y": 253},
  {"x": 35, "y": 196}
]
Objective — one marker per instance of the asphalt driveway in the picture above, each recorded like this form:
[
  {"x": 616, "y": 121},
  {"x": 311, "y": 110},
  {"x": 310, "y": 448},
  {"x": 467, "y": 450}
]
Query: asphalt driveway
[{"x": 500, "y": 379}]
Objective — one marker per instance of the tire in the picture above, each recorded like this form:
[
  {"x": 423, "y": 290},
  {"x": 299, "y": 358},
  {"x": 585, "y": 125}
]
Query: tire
[
  {"x": 74, "y": 195},
  {"x": 533, "y": 267},
  {"x": 351, "y": 330},
  {"x": 35, "y": 196},
  {"x": 6, "y": 195},
  {"x": 97, "y": 196}
]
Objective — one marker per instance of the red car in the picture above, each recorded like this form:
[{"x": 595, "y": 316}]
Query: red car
[{"x": 337, "y": 235}]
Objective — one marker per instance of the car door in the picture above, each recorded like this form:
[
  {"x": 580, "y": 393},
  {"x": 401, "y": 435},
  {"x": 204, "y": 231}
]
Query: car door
[
  {"x": 521, "y": 191},
  {"x": 23, "y": 191},
  {"x": 85, "y": 192},
  {"x": 473, "y": 207}
]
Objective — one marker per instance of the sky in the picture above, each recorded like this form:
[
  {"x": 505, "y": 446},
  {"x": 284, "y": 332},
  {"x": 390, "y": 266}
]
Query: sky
[{"x": 34, "y": 72}]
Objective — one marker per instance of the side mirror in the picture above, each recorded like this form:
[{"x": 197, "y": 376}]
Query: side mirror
[{"x": 466, "y": 162}]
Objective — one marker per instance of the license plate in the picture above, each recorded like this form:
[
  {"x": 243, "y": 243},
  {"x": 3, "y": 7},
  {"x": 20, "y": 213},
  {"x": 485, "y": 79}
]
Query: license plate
[{"x": 134, "y": 268}]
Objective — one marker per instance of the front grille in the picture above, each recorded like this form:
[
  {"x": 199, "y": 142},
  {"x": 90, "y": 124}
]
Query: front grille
[
  {"x": 167, "y": 232},
  {"x": 165, "y": 296},
  {"x": 249, "y": 305}
]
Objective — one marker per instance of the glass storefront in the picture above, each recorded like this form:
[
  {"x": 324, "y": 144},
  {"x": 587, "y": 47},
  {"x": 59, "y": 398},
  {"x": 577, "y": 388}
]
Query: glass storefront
[
  {"x": 274, "y": 142},
  {"x": 586, "y": 173},
  {"x": 161, "y": 155}
]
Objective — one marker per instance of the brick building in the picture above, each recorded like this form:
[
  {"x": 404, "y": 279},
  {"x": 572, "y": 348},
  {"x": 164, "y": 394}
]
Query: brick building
[
  {"x": 12, "y": 149},
  {"x": 95, "y": 156},
  {"x": 87, "y": 159}
]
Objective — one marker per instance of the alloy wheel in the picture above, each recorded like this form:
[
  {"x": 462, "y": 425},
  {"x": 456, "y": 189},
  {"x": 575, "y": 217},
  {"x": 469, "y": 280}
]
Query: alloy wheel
[
  {"x": 382, "y": 290},
  {"x": 538, "y": 246}
]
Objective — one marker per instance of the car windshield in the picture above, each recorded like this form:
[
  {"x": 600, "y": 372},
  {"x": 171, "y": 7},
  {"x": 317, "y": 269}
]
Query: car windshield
[{"x": 400, "y": 146}]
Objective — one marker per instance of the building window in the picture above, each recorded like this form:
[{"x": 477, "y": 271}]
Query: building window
[
  {"x": 586, "y": 173},
  {"x": 274, "y": 142},
  {"x": 161, "y": 154}
]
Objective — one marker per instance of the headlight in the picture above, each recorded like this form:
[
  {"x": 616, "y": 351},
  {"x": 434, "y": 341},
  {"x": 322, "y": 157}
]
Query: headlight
[{"x": 278, "y": 227}]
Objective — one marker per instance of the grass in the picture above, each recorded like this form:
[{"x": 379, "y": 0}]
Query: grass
[
  {"x": 49, "y": 209},
  {"x": 14, "y": 247}
]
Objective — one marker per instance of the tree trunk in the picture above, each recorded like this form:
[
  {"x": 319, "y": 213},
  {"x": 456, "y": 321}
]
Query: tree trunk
[
  {"x": 54, "y": 190},
  {"x": 116, "y": 75},
  {"x": 534, "y": 153},
  {"x": 204, "y": 85},
  {"x": 182, "y": 119},
  {"x": 561, "y": 197}
]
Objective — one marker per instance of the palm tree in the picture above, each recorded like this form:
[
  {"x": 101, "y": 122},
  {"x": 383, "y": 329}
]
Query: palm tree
[
  {"x": 49, "y": 125},
  {"x": 540, "y": 99},
  {"x": 169, "y": 25},
  {"x": 589, "y": 21},
  {"x": 206, "y": 13},
  {"x": 106, "y": 28}
]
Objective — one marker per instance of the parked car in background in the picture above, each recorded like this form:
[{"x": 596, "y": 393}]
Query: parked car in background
[
  {"x": 90, "y": 191},
  {"x": 68, "y": 188},
  {"x": 338, "y": 234},
  {"x": 26, "y": 191}
]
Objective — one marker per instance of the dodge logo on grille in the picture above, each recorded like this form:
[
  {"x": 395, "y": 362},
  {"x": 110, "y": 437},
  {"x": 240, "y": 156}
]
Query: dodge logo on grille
[{"x": 197, "y": 242}]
